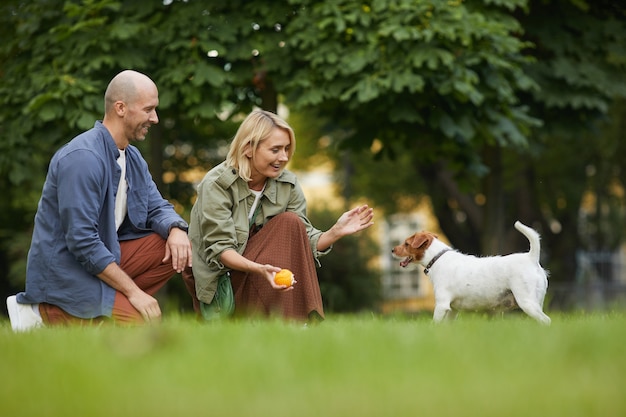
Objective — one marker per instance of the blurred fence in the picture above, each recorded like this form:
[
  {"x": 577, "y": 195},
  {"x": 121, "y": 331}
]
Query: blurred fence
[{"x": 600, "y": 284}]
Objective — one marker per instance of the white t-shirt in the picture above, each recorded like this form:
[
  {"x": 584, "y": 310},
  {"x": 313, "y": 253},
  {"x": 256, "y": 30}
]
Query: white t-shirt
[
  {"x": 257, "y": 199},
  {"x": 121, "y": 199}
]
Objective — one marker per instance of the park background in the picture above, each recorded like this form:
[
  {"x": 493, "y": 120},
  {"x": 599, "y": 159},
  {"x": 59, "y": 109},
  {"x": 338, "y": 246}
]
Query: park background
[{"x": 455, "y": 116}]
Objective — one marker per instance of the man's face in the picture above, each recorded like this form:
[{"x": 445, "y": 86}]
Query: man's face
[{"x": 141, "y": 114}]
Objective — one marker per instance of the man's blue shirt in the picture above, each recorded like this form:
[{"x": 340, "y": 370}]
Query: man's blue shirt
[{"x": 74, "y": 236}]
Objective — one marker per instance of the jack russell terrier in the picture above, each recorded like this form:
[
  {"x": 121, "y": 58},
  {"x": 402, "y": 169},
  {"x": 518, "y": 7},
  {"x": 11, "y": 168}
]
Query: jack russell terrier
[{"x": 466, "y": 282}]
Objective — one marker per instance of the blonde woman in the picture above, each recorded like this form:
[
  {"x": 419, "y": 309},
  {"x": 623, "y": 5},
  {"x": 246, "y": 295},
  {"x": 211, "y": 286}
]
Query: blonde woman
[{"x": 250, "y": 220}]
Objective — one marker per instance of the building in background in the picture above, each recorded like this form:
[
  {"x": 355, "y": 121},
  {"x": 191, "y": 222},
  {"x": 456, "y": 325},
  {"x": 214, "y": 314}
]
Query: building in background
[{"x": 408, "y": 289}]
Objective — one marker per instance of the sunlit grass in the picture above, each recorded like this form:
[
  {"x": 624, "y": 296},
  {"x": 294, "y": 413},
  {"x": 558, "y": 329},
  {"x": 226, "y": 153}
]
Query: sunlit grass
[{"x": 347, "y": 366}]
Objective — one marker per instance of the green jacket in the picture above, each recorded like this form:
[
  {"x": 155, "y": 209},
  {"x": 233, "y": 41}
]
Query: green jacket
[{"x": 219, "y": 220}]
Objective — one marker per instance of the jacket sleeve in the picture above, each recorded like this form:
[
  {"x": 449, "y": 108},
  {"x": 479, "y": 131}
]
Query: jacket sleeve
[
  {"x": 297, "y": 204},
  {"x": 216, "y": 225}
]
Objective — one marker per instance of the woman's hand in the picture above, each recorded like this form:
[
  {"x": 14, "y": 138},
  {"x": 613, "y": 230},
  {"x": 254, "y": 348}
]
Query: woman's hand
[
  {"x": 235, "y": 261},
  {"x": 355, "y": 220},
  {"x": 269, "y": 271}
]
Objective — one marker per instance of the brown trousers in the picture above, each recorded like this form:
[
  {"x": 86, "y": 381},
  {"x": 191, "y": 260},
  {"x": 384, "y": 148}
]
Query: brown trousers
[
  {"x": 141, "y": 260},
  {"x": 282, "y": 242}
]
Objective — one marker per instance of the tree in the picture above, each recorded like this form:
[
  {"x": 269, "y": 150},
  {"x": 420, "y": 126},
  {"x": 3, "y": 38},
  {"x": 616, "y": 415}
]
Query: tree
[
  {"x": 57, "y": 57},
  {"x": 580, "y": 66},
  {"x": 481, "y": 179},
  {"x": 472, "y": 103},
  {"x": 439, "y": 81},
  {"x": 212, "y": 61}
]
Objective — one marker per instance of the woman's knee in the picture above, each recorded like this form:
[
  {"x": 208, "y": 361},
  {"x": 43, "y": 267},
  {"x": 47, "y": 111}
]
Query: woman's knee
[{"x": 287, "y": 218}]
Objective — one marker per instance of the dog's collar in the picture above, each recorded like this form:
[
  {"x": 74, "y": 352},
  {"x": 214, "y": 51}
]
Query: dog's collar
[{"x": 432, "y": 261}]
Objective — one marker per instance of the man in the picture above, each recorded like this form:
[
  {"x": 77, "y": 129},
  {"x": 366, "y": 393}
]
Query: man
[{"x": 105, "y": 241}]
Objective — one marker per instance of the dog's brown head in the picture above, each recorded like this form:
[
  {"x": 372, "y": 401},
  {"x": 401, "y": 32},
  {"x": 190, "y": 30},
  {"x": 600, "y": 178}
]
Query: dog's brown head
[{"x": 414, "y": 247}]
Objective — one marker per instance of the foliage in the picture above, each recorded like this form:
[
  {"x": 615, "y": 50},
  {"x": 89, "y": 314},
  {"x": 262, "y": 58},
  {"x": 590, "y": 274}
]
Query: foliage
[
  {"x": 488, "y": 108},
  {"x": 603, "y": 207},
  {"x": 581, "y": 59},
  {"x": 438, "y": 75},
  {"x": 575, "y": 60},
  {"x": 57, "y": 58}
]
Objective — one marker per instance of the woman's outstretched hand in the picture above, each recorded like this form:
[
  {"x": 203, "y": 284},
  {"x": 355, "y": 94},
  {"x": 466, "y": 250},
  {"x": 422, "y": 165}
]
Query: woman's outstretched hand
[{"x": 355, "y": 220}]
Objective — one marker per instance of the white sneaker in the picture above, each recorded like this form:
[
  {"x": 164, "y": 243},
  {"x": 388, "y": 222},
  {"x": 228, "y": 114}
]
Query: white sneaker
[{"x": 23, "y": 317}]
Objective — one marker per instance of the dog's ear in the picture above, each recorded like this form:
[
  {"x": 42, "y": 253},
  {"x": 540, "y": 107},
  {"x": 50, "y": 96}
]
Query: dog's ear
[{"x": 421, "y": 239}]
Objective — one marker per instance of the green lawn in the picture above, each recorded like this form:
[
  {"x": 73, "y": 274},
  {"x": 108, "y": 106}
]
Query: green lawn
[{"x": 347, "y": 366}]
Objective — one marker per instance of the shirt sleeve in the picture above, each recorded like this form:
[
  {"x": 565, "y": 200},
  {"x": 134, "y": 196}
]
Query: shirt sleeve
[
  {"x": 80, "y": 192},
  {"x": 147, "y": 208},
  {"x": 161, "y": 214}
]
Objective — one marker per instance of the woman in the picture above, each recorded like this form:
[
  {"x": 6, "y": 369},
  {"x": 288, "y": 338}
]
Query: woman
[{"x": 250, "y": 219}]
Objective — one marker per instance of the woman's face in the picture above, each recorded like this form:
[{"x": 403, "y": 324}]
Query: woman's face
[{"x": 271, "y": 156}]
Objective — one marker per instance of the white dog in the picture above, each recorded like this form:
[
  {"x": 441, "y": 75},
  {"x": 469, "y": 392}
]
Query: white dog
[{"x": 466, "y": 282}]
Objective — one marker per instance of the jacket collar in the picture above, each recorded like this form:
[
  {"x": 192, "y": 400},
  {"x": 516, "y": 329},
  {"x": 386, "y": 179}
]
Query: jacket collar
[
  {"x": 230, "y": 175},
  {"x": 109, "y": 142}
]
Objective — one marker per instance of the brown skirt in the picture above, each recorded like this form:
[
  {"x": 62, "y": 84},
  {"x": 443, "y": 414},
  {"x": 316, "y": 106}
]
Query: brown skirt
[{"x": 281, "y": 242}]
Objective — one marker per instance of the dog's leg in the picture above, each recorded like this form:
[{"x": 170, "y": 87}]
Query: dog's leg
[
  {"x": 534, "y": 310},
  {"x": 442, "y": 311},
  {"x": 530, "y": 298}
]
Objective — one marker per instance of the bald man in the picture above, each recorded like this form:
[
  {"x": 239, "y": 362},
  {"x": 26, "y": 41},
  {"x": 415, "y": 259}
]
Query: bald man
[{"x": 104, "y": 240}]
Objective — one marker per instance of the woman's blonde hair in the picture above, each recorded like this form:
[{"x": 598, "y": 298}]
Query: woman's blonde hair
[{"x": 255, "y": 128}]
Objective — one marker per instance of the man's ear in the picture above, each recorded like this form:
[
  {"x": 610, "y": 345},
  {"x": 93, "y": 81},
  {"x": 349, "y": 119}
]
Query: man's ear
[{"x": 120, "y": 108}]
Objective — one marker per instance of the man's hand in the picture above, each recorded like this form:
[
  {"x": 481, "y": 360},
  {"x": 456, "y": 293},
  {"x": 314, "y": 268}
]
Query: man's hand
[
  {"x": 178, "y": 248},
  {"x": 146, "y": 305}
]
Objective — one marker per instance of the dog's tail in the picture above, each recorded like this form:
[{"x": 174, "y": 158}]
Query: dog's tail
[{"x": 533, "y": 238}]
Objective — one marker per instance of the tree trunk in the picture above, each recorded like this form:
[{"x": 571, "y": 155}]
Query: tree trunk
[
  {"x": 155, "y": 164},
  {"x": 493, "y": 226},
  {"x": 455, "y": 211}
]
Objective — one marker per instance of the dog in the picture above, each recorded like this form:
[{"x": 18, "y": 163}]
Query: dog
[{"x": 470, "y": 283}]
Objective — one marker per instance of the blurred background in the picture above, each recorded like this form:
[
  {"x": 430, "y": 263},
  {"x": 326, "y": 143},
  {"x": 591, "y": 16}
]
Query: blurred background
[{"x": 459, "y": 117}]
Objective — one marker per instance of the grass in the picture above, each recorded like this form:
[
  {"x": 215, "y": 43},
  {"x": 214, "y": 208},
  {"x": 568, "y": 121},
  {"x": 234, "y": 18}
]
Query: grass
[{"x": 346, "y": 366}]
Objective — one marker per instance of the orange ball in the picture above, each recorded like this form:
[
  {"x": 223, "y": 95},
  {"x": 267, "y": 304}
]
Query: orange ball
[{"x": 284, "y": 277}]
